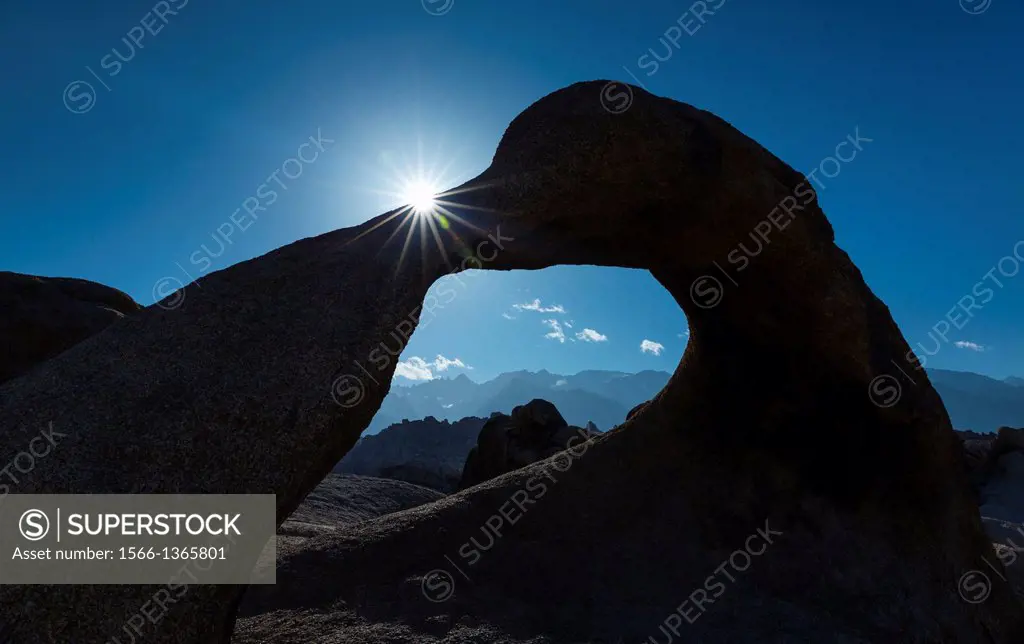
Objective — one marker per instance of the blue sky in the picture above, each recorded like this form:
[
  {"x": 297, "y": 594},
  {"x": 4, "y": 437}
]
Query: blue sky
[{"x": 211, "y": 98}]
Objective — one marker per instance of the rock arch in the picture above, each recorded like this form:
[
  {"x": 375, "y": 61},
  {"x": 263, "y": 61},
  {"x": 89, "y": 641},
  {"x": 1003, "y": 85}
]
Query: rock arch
[{"x": 268, "y": 365}]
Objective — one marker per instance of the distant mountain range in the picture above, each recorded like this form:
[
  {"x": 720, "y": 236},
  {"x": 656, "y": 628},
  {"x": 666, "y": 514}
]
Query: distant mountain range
[
  {"x": 974, "y": 401},
  {"x": 978, "y": 402},
  {"x": 603, "y": 397}
]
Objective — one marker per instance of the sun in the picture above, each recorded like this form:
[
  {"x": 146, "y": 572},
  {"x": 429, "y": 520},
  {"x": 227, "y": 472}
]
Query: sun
[
  {"x": 421, "y": 195},
  {"x": 414, "y": 193}
]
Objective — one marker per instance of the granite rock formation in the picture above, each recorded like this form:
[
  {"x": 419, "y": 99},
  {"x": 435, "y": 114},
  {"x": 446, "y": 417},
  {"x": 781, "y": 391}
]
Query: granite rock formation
[
  {"x": 279, "y": 362},
  {"x": 426, "y": 452},
  {"x": 40, "y": 317},
  {"x": 342, "y": 499},
  {"x": 533, "y": 432}
]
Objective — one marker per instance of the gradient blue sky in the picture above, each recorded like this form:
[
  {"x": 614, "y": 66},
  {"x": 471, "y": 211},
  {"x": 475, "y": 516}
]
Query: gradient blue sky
[{"x": 207, "y": 108}]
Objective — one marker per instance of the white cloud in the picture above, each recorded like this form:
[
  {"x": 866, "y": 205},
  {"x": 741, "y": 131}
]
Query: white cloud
[
  {"x": 561, "y": 383},
  {"x": 590, "y": 335},
  {"x": 650, "y": 346},
  {"x": 507, "y": 316},
  {"x": 537, "y": 306},
  {"x": 416, "y": 368},
  {"x": 973, "y": 346},
  {"x": 556, "y": 331},
  {"x": 442, "y": 363}
]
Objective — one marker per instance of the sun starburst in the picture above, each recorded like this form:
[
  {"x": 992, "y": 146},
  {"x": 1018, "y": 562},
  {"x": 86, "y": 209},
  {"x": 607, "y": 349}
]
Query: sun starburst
[
  {"x": 421, "y": 195},
  {"x": 415, "y": 193}
]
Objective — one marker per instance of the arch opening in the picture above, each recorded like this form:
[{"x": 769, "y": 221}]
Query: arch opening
[{"x": 489, "y": 341}]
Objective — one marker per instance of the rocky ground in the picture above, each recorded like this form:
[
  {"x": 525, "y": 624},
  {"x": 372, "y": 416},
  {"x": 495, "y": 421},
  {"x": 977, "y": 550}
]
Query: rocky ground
[
  {"x": 345, "y": 499},
  {"x": 996, "y": 466},
  {"x": 340, "y": 500}
]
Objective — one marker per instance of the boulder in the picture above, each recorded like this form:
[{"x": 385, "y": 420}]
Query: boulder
[
  {"x": 471, "y": 470},
  {"x": 538, "y": 414},
  {"x": 491, "y": 450},
  {"x": 40, "y": 317},
  {"x": 532, "y": 432},
  {"x": 1008, "y": 440},
  {"x": 277, "y": 364}
]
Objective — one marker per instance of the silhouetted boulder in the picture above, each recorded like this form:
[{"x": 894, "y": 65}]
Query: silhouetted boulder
[
  {"x": 42, "y": 316},
  {"x": 538, "y": 414},
  {"x": 532, "y": 432},
  {"x": 1007, "y": 440}
]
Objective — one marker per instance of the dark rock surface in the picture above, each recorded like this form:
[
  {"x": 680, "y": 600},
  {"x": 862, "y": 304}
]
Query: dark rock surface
[
  {"x": 347, "y": 498},
  {"x": 995, "y": 463},
  {"x": 425, "y": 452},
  {"x": 340, "y": 499},
  {"x": 532, "y": 432},
  {"x": 417, "y": 474},
  {"x": 983, "y": 453},
  {"x": 996, "y": 467},
  {"x": 42, "y": 316},
  {"x": 636, "y": 410},
  {"x": 264, "y": 377}
]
